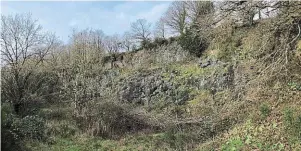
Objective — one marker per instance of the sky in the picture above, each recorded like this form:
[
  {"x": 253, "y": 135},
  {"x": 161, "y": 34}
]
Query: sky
[{"x": 111, "y": 17}]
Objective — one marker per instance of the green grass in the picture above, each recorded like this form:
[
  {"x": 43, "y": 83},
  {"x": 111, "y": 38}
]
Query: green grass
[{"x": 85, "y": 143}]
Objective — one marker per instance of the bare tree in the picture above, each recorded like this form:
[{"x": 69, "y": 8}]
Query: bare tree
[
  {"x": 88, "y": 39},
  {"x": 87, "y": 45},
  {"x": 176, "y": 16},
  {"x": 22, "y": 40},
  {"x": 160, "y": 28},
  {"x": 245, "y": 11},
  {"x": 199, "y": 9},
  {"x": 112, "y": 43},
  {"x": 141, "y": 30},
  {"x": 127, "y": 41},
  {"x": 23, "y": 47}
]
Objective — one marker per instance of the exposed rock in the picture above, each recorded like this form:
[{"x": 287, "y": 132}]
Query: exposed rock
[
  {"x": 208, "y": 62},
  {"x": 160, "y": 55}
]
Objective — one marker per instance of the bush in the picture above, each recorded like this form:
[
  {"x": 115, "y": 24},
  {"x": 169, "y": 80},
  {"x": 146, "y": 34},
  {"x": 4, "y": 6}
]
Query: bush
[
  {"x": 14, "y": 130},
  {"x": 265, "y": 110},
  {"x": 227, "y": 41},
  {"x": 110, "y": 120},
  {"x": 106, "y": 59},
  {"x": 193, "y": 43},
  {"x": 288, "y": 117},
  {"x": 171, "y": 39},
  {"x": 35, "y": 90},
  {"x": 147, "y": 44},
  {"x": 63, "y": 130},
  {"x": 185, "y": 134},
  {"x": 233, "y": 144},
  {"x": 9, "y": 140},
  {"x": 160, "y": 41},
  {"x": 176, "y": 140},
  {"x": 6, "y": 115},
  {"x": 292, "y": 124},
  {"x": 31, "y": 127},
  {"x": 294, "y": 86}
]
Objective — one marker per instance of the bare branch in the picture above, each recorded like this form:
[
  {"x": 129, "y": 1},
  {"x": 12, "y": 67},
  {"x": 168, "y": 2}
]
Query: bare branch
[{"x": 141, "y": 30}]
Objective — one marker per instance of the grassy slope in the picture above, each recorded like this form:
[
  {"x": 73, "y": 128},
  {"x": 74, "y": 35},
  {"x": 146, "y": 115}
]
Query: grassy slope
[{"x": 270, "y": 116}]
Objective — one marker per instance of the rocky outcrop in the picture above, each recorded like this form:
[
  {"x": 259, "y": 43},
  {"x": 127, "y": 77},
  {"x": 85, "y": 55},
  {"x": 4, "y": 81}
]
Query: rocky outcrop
[
  {"x": 171, "y": 86},
  {"x": 160, "y": 55}
]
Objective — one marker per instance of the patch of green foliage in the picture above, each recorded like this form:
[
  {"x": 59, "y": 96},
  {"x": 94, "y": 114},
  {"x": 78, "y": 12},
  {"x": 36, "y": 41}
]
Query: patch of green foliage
[
  {"x": 157, "y": 42},
  {"x": 106, "y": 59},
  {"x": 29, "y": 127},
  {"x": 62, "y": 129},
  {"x": 193, "y": 43},
  {"x": 265, "y": 110},
  {"x": 15, "y": 129},
  {"x": 141, "y": 142},
  {"x": 147, "y": 44},
  {"x": 252, "y": 137},
  {"x": 160, "y": 41},
  {"x": 295, "y": 86},
  {"x": 187, "y": 78},
  {"x": 9, "y": 140},
  {"x": 233, "y": 145},
  {"x": 228, "y": 44},
  {"x": 176, "y": 140},
  {"x": 292, "y": 123}
]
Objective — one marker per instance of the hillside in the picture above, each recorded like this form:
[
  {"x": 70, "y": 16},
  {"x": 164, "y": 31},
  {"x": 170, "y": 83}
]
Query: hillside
[{"x": 241, "y": 92}]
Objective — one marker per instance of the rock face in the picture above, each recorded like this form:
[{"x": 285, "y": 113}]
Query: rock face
[
  {"x": 160, "y": 55},
  {"x": 170, "y": 83},
  {"x": 169, "y": 53},
  {"x": 140, "y": 88},
  {"x": 150, "y": 88},
  {"x": 171, "y": 86},
  {"x": 208, "y": 62}
]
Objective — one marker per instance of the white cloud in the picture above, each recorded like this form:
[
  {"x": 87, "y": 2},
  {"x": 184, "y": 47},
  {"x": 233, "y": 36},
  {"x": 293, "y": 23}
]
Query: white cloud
[
  {"x": 155, "y": 13},
  {"x": 117, "y": 20},
  {"x": 64, "y": 16}
]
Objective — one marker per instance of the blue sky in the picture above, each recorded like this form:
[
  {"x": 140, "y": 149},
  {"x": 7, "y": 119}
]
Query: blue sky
[{"x": 110, "y": 17}]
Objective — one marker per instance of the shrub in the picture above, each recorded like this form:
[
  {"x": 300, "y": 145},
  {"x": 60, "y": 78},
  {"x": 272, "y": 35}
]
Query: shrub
[
  {"x": 294, "y": 86},
  {"x": 298, "y": 126},
  {"x": 193, "y": 43},
  {"x": 110, "y": 120},
  {"x": 175, "y": 139},
  {"x": 14, "y": 129},
  {"x": 227, "y": 42},
  {"x": 160, "y": 41},
  {"x": 35, "y": 90},
  {"x": 6, "y": 115},
  {"x": 171, "y": 39},
  {"x": 31, "y": 127},
  {"x": 181, "y": 96},
  {"x": 9, "y": 140},
  {"x": 147, "y": 44},
  {"x": 292, "y": 124},
  {"x": 233, "y": 144},
  {"x": 265, "y": 110},
  {"x": 106, "y": 59},
  {"x": 63, "y": 130}
]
